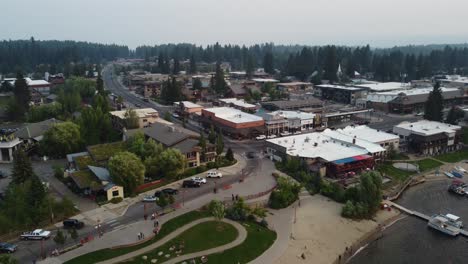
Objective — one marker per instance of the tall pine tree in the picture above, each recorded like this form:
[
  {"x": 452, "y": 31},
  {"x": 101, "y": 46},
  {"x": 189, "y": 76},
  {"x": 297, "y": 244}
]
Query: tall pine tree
[
  {"x": 220, "y": 85},
  {"x": 193, "y": 64},
  {"x": 22, "y": 95},
  {"x": 331, "y": 64},
  {"x": 22, "y": 168},
  {"x": 434, "y": 105},
  {"x": 268, "y": 63}
]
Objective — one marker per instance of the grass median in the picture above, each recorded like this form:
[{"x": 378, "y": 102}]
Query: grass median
[
  {"x": 167, "y": 228},
  {"x": 201, "y": 237}
]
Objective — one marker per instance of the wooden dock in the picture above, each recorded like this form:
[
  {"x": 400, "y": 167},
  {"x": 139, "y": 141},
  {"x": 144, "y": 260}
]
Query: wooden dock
[{"x": 418, "y": 214}]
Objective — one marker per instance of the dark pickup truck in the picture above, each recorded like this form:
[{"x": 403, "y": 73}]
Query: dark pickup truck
[{"x": 73, "y": 223}]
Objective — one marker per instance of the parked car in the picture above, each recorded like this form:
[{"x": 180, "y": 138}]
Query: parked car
[
  {"x": 199, "y": 179},
  {"x": 157, "y": 194},
  {"x": 7, "y": 247},
  {"x": 37, "y": 234},
  {"x": 190, "y": 184},
  {"x": 170, "y": 191},
  {"x": 285, "y": 133},
  {"x": 261, "y": 137},
  {"x": 150, "y": 199},
  {"x": 271, "y": 136},
  {"x": 72, "y": 223},
  {"x": 175, "y": 115},
  {"x": 251, "y": 155},
  {"x": 214, "y": 174}
]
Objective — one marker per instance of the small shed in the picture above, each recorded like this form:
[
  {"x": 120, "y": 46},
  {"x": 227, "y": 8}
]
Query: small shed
[{"x": 113, "y": 191}]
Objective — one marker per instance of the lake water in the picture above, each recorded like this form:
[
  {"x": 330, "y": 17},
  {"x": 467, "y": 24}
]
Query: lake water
[{"x": 411, "y": 241}]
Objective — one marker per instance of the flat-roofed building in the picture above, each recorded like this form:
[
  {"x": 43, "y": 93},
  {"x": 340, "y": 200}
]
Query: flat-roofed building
[
  {"x": 240, "y": 104},
  {"x": 428, "y": 137},
  {"x": 292, "y": 104},
  {"x": 322, "y": 154},
  {"x": 187, "y": 108},
  {"x": 383, "y": 86},
  {"x": 233, "y": 122},
  {"x": 294, "y": 86},
  {"x": 340, "y": 93},
  {"x": 146, "y": 117}
]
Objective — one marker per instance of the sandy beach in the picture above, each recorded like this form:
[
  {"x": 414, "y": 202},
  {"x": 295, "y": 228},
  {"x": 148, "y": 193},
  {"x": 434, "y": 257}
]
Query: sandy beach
[{"x": 321, "y": 234}]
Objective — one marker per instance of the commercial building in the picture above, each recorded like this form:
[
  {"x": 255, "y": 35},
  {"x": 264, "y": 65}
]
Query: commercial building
[
  {"x": 293, "y": 105},
  {"x": 454, "y": 81},
  {"x": 187, "y": 108},
  {"x": 412, "y": 100},
  {"x": 383, "y": 87},
  {"x": 294, "y": 86},
  {"x": 340, "y": 93},
  {"x": 146, "y": 117},
  {"x": 233, "y": 122},
  {"x": 40, "y": 86},
  {"x": 323, "y": 154},
  {"x": 428, "y": 137},
  {"x": 288, "y": 121},
  {"x": 238, "y": 104}
]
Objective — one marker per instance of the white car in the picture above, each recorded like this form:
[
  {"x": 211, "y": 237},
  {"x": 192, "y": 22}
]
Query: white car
[
  {"x": 271, "y": 136},
  {"x": 37, "y": 234},
  {"x": 150, "y": 199},
  {"x": 199, "y": 180},
  {"x": 460, "y": 169},
  {"x": 285, "y": 133},
  {"x": 261, "y": 137},
  {"x": 175, "y": 115},
  {"x": 214, "y": 174}
]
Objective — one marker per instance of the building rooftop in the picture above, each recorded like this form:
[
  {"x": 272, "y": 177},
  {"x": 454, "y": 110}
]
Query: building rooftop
[
  {"x": 427, "y": 128},
  {"x": 141, "y": 112},
  {"x": 371, "y": 147},
  {"x": 237, "y": 102},
  {"x": 264, "y": 80},
  {"x": 36, "y": 130},
  {"x": 367, "y": 133},
  {"x": 339, "y": 87},
  {"x": 168, "y": 135},
  {"x": 317, "y": 145},
  {"x": 384, "y": 97},
  {"x": 293, "y": 114},
  {"x": 30, "y": 82},
  {"x": 284, "y": 104},
  {"x": 233, "y": 115},
  {"x": 386, "y": 86},
  {"x": 188, "y": 104},
  {"x": 294, "y": 83}
]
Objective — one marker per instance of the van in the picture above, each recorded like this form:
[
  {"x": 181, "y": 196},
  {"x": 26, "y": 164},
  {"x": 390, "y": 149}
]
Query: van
[{"x": 214, "y": 174}]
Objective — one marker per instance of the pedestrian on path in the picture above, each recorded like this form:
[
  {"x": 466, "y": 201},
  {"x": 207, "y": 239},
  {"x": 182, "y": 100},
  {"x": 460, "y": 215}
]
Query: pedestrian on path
[
  {"x": 232, "y": 197},
  {"x": 139, "y": 236}
]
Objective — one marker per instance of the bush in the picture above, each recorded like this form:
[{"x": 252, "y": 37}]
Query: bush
[
  {"x": 239, "y": 211},
  {"x": 58, "y": 172},
  {"x": 116, "y": 200},
  {"x": 251, "y": 218},
  {"x": 264, "y": 223},
  {"x": 286, "y": 193},
  {"x": 334, "y": 191}
]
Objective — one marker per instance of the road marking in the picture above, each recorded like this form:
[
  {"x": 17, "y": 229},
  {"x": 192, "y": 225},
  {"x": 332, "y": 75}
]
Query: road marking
[
  {"x": 111, "y": 221},
  {"x": 114, "y": 224},
  {"x": 118, "y": 227}
]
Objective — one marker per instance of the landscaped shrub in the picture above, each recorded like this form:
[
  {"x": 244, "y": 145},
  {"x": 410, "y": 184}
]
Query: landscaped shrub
[
  {"x": 285, "y": 194},
  {"x": 116, "y": 200}
]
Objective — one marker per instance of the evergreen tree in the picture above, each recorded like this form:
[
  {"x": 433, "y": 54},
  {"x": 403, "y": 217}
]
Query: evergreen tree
[
  {"x": 212, "y": 135},
  {"x": 197, "y": 84},
  {"x": 268, "y": 64},
  {"x": 202, "y": 144},
  {"x": 193, "y": 64},
  {"x": 250, "y": 68},
  {"x": 454, "y": 115},
  {"x": 100, "y": 85},
  {"x": 220, "y": 85},
  {"x": 229, "y": 154},
  {"x": 22, "y": 96},
  {"x": 331, "y": 64},
  {"x": 176, "y": 68},
  {"x": 22, "y": 168},
  {"x": 35, "y": 197},
  {"x": 434, "y": 105},
  {"x": 219, "y": 144}
]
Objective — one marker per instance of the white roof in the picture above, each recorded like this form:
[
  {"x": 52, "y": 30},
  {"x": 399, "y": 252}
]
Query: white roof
[
  {"x": 387, "y": 86},
  {"x": 339, "y": 87},
  {"x": 142, "y": 112},
  {"x": 369, "y": 134},
  {"x": 294, "y": 83},
  {"x": 237, "y": 102},
  {"x": 326, "y": 148},
  {"x": 233, "y": 115},
  {"x": 427, "y": 128},
  {"x": 294, "y": 114},
  {"x": 368, "y": 145},
  {"x": 452, "y": 217},
  {"x": 264, "y": 80},
  {"x": 188, "y": 104},
  {"x": 29, "y": 81},
  {"x": 384, "y": 97}
]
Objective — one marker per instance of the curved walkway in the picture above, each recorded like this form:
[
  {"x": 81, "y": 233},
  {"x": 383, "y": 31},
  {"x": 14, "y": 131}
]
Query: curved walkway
[{"x": 240, "y": 238}]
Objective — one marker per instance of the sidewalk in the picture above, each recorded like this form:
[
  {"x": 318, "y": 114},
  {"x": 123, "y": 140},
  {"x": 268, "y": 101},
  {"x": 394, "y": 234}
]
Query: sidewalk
[{"x": 128, "y": 234}]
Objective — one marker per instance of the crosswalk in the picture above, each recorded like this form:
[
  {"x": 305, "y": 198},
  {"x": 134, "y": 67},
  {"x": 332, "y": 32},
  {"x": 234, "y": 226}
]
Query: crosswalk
[{"x": 114, "y": 224}]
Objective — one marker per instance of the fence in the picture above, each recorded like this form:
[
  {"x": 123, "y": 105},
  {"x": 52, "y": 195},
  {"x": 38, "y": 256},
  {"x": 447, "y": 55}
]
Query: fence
[{"x": 148, "y": 185}]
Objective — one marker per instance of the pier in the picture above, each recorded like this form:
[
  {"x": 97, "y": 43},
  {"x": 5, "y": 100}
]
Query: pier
[{"x": 417, "y": 214}]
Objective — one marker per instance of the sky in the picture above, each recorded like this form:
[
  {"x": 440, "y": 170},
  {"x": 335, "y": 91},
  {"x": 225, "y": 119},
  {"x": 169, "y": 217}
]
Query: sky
[{"x": 380, "y": 23}]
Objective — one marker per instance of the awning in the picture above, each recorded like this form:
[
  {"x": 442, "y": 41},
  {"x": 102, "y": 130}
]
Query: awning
[{"x": 351, "y": 159}]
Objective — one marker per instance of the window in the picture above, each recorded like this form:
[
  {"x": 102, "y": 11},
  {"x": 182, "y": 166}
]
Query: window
[
  {"x": 145, "y": 120},
  {"x": 115, "y": 193}
]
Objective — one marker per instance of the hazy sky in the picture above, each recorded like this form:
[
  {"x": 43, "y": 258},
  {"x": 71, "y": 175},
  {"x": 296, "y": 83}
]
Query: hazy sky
[{"x": 312, "y": 22}]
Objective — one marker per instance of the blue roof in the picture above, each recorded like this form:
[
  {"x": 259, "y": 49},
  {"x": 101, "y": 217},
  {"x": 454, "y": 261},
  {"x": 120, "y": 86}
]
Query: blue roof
[
  {"x": 101, "y": 173},
  {"x": 108, "y": 186},
  {"x": 344, "y": 161}
]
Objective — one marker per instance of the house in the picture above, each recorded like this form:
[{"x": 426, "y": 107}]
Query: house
[
  {"x": 146, "y": 117},
  {"x": 428, "y": 137},
  {"x": 233, "y": 122},
  {"x": 40, "y": 86},
  {"x": 95, "y": 181},
  {"x": 322, "y": 154},
  {"x": 187, "y": 108},
  {"x": 9, "y": 143},
  {"x": 184, "y": 140},
  {"x": 238, "y": 104}
]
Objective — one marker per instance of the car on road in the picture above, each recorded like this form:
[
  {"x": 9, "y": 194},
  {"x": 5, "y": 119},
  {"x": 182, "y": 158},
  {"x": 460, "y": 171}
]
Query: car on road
[
  {"x": 72, "y": 223},
  {"x": 261, "y": 137},
  {"x": 190, "y": 184},
  {"x": 170, "y": 191},
  {"x": 37, "y": 234},
  {"x": 149, "y": 199},
  {"x": 214, "y": 174},
  {"x": 7, "y": 247},
  {"x": 251, "y": 155},
  {"x": 199, "y": 179},
  {"x": 175, "y": 115}
]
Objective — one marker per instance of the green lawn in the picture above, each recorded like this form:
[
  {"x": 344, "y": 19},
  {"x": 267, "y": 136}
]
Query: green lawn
[
  {"x": 400, "y": 156},
  {"x": 454, "y": 156},
  {"x": 387, "y": 169},
  {"x": 259, "y": 239},
  {"x": 428, "y": 164},
  {"x": 167, "y": 228},
  {"x": 198, "y": 238}
]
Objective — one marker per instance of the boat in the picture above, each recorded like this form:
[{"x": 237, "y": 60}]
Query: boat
[
  {"x": 460, "y": 169},
  {"x": 457, "y": 174},
  {"x": 442, "y": 224},
  {"x": 448, "y": 174},
  {"x": 454, "y": 220}
]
